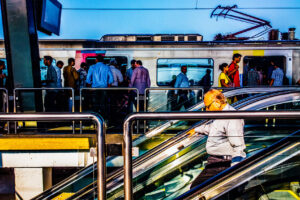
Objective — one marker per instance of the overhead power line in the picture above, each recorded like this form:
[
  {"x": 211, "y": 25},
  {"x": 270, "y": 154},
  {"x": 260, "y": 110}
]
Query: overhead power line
[{"x": 162, "y": 9}]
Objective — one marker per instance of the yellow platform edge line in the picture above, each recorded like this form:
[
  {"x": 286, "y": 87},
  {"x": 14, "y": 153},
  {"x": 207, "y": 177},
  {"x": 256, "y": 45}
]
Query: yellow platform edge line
[
  {"x": 63, "y": 196},
  {"x": 44, "y": 143}
]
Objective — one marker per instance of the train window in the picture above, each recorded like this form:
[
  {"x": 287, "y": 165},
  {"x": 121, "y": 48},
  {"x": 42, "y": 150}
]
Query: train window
[
  {"x": 262, "y": 64},
  {"x": 121, "y": 60},
  {"x": 199, "y": 70},
  {"x": 44, "y": 68}
]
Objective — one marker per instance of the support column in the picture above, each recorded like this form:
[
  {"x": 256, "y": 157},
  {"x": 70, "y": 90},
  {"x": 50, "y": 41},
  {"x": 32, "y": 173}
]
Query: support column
[
  {"x": 29, "y": 182},
  {"x": 21, "y": 47}
]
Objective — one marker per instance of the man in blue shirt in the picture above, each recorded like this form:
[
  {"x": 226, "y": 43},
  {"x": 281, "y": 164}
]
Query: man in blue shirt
[
  {"x": 277, "y": 76},
  {"x": 182, "y": 81},
  {"x": 99, "y": 76}
]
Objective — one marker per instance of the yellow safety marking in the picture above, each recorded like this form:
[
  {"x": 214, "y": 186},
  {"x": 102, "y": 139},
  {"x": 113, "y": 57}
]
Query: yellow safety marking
[
  {"x": 30, "y": 124},
  {"x": 63, "y": 196},
  {"x": 291, "y": 193},
  {"x": 250, "y": 52},
  {"x": 43, "y": 143}
]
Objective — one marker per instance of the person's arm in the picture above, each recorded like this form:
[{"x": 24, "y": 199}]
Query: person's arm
[
  {"x": 119, "y": 76},
  {"x": 232, "y": 69},
  {"x": 89, "y": 76},
  {"x": 235, "y": 134},
  {"x": 110, "y": 77},
  {"x": 177, "y": 83},
  {"x": 148, "y": 79},
  {"x": 223, "y": 84},
  {"x": 133, "y": 77},
  {"x": 75, "y": 74},
  {"x": 203, "y": 129},
  {"x": 272, "y": 78}
]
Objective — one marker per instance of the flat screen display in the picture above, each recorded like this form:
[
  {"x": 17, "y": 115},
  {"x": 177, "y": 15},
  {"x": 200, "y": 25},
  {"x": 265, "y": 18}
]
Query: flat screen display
[{"x": 51, "y": 15}]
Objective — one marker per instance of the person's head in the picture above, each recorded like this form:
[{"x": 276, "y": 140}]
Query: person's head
[
  {"x": 99, "y": 58},
  {"x": 224, "y": 67},
  {"x": 113, "y": 62},
  {"x": 133, "y": 63},
  {"x": 48, "y": 60},
  {"x": 139, "y": 63},
  {"x": 83, "y": 65},
  {"x": 71, "y": 61},
  {"x": 208, "y": 71},
  {"x": 236, "y": 57},
  {"x": 2, "y": 64},
  {"x": 184, "y": 69},
  {"x": 60, "y": 64},
  {"x": 214, "y": 100}
]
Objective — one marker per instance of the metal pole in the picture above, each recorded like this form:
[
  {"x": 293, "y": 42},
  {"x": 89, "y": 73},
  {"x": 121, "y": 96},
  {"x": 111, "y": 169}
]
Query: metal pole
[
  {"x": 101, "y": 162},
  {"x": 127, "y": 137}
]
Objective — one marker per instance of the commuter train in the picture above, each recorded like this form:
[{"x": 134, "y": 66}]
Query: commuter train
[{"x": 163, "y": 59}]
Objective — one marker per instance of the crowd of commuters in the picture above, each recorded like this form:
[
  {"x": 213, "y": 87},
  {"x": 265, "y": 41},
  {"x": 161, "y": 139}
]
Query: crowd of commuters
[
  {"x": 99, "y": 75},
  {"x": 253, "y": 76}
]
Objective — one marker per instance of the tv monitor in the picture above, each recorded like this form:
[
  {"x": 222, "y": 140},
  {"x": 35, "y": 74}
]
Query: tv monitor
[{"x": 50, "y": 16}]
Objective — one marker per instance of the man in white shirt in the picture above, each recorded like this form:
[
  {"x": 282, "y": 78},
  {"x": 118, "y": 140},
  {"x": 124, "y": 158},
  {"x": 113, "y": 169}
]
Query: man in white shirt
[
  {"x": 118, "y": 77},
  {"x": 225, "y": 143}
]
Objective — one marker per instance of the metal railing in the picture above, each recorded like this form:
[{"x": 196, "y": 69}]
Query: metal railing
[
  {"x": 101, "y": 162},
  {"x": 42, "y": 89},
  {"x": 81, "y": 97},
  {"x": 127, "y": 136},
  {"x": 147, "y": 90}
]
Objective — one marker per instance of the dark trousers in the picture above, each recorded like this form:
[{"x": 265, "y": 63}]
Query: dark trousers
[
  {"x": 183, "y": 100},
  {"x": 215, "y": 165}
]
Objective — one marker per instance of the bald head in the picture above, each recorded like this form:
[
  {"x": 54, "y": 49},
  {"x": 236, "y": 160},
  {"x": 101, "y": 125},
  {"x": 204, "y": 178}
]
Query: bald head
[{"x": 214, "y": 100}]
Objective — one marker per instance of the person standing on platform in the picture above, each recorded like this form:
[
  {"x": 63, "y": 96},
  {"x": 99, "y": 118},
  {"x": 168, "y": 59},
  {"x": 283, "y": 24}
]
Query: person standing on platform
[
  {"x": 253, "y": 77},
  {"x": 62, "y": 98},
  {"x": 130, "y": 70},
  {"x": 182, "y": 81},
  {"x": 58, "y": 67},
  {"x": 271, "y": 67},
  {"x": 224, "y": 80},
  {"x": 225, "y": 143},
  {"x": 51, "y": 82},
  {"x": 233, "y": 71},
  {"x": 140, "y": 79},
  {"x": 277, "y": 76},
  {"x": 118, "y": 78},
  {"x": 70, "y": 74},
  {"x": 99, "y": 76},
  {"x": 82, "y": 71}
]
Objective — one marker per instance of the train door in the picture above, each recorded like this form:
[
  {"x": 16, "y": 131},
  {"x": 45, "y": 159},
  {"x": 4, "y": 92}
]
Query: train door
[{"x": 264, "y": 67}]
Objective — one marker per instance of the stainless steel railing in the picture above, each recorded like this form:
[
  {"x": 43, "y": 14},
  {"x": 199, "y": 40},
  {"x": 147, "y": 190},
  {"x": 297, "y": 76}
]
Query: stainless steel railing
[
  {"x": 16, "y": 90},
  {"x": 101, "y": 162},
  {"x": 127, "y": 137}
]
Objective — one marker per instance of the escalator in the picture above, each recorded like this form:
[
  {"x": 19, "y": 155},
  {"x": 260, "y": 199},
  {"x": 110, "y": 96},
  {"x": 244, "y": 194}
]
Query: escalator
[
  {"x": 160, "y": 180},
  {"x": 165, "y": 156},
  {"x": 273, "y": 173}
]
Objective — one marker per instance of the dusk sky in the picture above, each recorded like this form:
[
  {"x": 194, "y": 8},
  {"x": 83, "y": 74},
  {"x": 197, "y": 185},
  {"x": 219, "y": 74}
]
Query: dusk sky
[{"x": 91, "y": 19}]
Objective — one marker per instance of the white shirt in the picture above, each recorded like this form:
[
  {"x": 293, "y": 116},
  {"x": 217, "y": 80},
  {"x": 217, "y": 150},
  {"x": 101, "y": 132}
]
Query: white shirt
[
  {"x": 225, "y": 137},
  {"x": 118, "y": 77}
]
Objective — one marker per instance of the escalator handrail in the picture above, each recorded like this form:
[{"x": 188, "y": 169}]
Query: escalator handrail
[
  {"x": 240, "y": 166},
  {"x": 83, "y": 172},
  {"x": 183, "y": 135}
]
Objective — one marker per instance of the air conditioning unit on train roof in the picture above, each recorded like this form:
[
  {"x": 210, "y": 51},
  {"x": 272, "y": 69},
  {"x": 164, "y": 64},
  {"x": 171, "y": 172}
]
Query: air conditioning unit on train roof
[{"x": 154, "y": 38}]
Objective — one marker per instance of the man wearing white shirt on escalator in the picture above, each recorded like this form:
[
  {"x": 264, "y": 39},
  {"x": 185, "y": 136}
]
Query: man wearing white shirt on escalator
[{"x": 225, "y": 143}]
